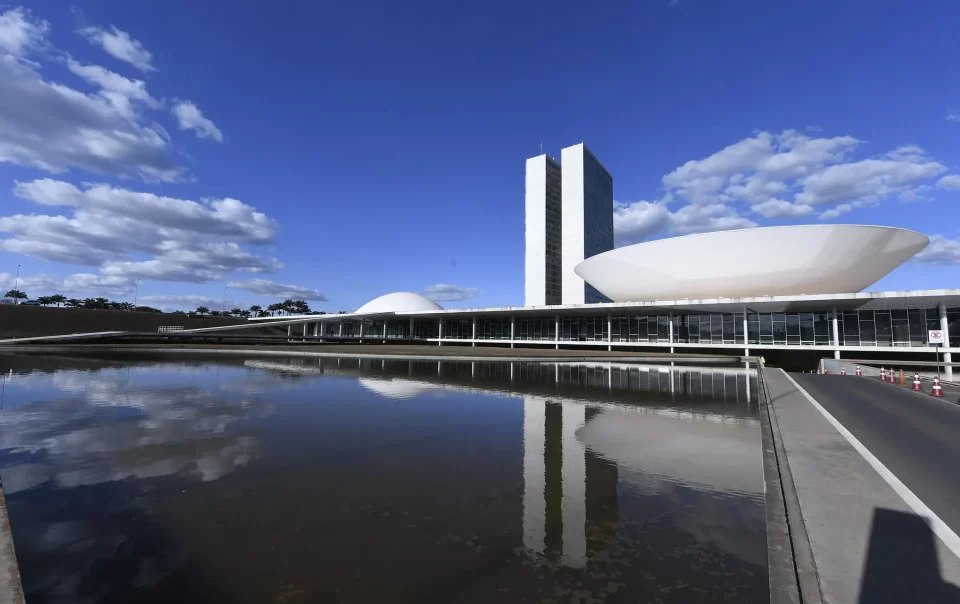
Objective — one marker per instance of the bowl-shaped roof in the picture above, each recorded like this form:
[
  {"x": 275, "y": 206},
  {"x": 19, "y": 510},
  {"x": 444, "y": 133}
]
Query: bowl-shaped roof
[
  {"x": 769, "y": 261},
  {"x": 399, "y": 302}
]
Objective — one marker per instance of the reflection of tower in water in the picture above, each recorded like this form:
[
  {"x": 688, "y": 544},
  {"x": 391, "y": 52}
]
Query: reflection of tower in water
[{"x": 570, "y": 494}]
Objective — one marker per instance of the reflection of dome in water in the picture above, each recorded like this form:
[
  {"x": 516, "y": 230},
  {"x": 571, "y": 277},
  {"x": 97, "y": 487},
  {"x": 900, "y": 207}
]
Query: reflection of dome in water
[
  {"x": 399, "y": 302},
  {"x": 395, "y": 388}
]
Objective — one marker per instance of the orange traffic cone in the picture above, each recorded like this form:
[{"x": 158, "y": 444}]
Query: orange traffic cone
[
  {"x": 859, "y": 373},
  {"x": 903, "y": 382},
  {"x": 937, "y": 390},
  {"x": 916, "y": 383}
]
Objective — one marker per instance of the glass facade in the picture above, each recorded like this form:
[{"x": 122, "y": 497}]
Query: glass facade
[
  {"x": 597, "y": 216},
  {"x": 553, "y": 240},
  {"x": 888, "y": 328}
]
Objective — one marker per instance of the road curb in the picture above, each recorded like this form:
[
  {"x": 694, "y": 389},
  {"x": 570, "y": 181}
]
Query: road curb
[{"x": 793, "y": 575}]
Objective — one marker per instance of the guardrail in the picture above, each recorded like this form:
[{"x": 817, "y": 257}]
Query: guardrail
[{"x": 169, "y": 328}]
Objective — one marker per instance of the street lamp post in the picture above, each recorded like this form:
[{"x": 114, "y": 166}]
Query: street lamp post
[
  {"x": 16, "y": 286},
  {"x": 136, "y": 291},
  {"x": 223, "y": 300}
]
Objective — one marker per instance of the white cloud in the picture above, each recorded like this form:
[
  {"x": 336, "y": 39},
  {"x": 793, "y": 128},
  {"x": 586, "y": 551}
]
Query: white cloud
[
  {"x": 176, "y": 239},
  {"x": 80, "y": 284},
  {"x": 120, "y": 45},
  {"x": 953, "y": 117},
  {"x": 869, "y": 179},
  {"x": 441, "y": 292},
  {"x": 839, "y": 210},
  {"x": 940, "y": 251},
  {"x": 264, "y": 287},
  {"x": 189, "y": 117},
  {"x": 117, "y": 90},
  {"x": 779, "y": 208},
  {"x": 950, "y": 181},
  {"x": 642, "y": 220},
  {"x": 54, "y": 127},
  {"x": 20, "y": 32}
]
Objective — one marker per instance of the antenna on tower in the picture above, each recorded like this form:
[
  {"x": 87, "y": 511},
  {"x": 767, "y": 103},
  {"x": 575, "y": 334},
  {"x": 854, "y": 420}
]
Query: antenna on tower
[{"x": 541, "y": 147}]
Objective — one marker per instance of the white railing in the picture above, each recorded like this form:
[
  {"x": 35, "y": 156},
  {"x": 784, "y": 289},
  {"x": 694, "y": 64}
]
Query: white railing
[{"x": 169, "y": 328}]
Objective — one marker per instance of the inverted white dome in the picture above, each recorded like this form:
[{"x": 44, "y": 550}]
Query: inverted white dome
[
  {"x": 774, "y": 261},
  {"x": 399, "y": 302},
  {"x": 395, "y": 388}
]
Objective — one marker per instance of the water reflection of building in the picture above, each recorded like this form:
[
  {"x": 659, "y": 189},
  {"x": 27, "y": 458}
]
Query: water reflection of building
[{"x": 569, "y": 493}]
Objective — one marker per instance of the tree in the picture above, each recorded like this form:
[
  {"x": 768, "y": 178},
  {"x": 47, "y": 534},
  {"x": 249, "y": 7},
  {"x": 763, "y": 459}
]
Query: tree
[
  {"x": 58, "y": 299},
  {"x": 235, "y": 312},
  {"x": 255, "y": 309},
  {"x": 244, "y": 314},
  {"x": 274, "y": 308},
  {"x": 16, "y": 294},
  {"x": 100, "y": 303},
  {"x": 44, "y": 301},
  {"x": 202, "y": 310},
  {"x": 263, "y": 313},
  {"x": 74, "y": 303},
  {"x": 215, "y": 313},
  {"x": 178, "y": 312},
  {"x": 301, "y": 307},
  {"x": 115, "y": 306}
]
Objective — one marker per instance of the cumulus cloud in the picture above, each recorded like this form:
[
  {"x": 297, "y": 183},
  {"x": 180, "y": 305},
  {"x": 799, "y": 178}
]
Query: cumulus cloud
[
  {"x": 77, "y": 284},
  {"x": 941, "y": 250},
  {"x": 953, "y": 117},
  {"x": 786, "y": 175},
  {"x": 20, "y": 32},
  {"x": 839, "y": 210},
  {"x": 950, "y": 181},
  {"x": 119, "y": 45},
  {"x": 778, "y": 208},
  {"x": 641, "y": 220},
  {"x": 54, "y": 127},
  {"x": 189, "y": 117},
  {"x": 265, "y": 287},
  {"x": 441, "y": 292},
  {"x": 181, "y": 239}
]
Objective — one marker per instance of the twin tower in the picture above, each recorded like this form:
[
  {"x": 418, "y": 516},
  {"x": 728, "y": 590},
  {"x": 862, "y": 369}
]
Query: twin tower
[{"x": 569, "y": 217}]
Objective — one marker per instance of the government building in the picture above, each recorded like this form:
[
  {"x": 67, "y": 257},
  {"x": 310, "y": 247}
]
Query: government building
[{"x": 794, "y": 294}]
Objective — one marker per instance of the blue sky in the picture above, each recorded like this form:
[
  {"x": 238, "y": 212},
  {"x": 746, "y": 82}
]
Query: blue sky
[{"x": 338, "y": 152}]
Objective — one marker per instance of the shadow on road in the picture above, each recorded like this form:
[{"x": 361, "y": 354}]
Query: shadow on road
[{"x": 902, "y": 564}]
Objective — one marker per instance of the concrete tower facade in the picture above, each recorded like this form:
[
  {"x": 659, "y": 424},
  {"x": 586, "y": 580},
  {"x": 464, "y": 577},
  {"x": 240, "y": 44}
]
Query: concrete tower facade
[
  {"x": 587, "y": 220},
  {"x": 542, "y": 265}
]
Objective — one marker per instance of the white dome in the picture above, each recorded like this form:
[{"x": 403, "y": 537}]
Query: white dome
[
  {"x": 769, "y": 261},
  {"x": 399, "y": 302}
]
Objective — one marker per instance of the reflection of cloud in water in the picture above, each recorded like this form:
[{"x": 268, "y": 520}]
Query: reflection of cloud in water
[
  {"x": 107, "y": 430},
  {"x": 396, "y": 387}
]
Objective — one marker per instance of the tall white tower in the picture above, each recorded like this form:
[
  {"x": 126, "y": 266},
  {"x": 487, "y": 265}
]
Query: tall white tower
[
  {"x": 587, "y": 220},
  {"x": 543, "y": 208}
]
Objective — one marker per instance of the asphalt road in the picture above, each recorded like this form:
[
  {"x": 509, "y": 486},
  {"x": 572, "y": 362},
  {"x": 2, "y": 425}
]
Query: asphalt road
[{"x": 916, "y": 436}]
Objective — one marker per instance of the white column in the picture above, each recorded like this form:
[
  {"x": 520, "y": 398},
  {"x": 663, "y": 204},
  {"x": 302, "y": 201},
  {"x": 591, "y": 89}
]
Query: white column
[
  {"x": 304, "y": 333},
  {"x": 440, "y": 343},
  {"x": 945, "y": 328},
  {"x": 534, "y": 474},
  {"x": 384, "y": 331},
  {"x": 609, "y": 333},
  {"x": 340, "y": 329},
  {"x": 574, "y": 499},
  {"x": 361, "y": 329},
  {"x": 670, "y": 334},
  {"x": 747, "y": 366},
  {"x": 474, "y": 336},
  {"x": 556, "y": 332},
  {"x": 289, "y": 330},
  {"x": 316, "y": 329},
  {"x": 513, "y": 325},
  {"x": 836, "y": 334}
]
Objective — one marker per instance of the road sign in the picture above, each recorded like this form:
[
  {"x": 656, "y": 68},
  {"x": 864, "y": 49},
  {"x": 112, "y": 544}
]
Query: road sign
[{"x": 935, "y": 336}]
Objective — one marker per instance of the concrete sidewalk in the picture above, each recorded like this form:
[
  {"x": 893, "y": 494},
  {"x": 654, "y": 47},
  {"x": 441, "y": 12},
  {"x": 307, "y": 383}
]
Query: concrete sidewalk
[{"x": 866, "y": 543}]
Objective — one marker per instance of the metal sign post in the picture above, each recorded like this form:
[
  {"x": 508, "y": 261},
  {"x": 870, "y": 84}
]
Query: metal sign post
[{"x": 935, "y": 337}]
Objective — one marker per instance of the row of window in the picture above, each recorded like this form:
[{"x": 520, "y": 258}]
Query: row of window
[{"x": 901, "y": 327}]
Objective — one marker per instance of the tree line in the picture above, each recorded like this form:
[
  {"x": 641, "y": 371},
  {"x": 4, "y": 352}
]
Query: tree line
[{"x": 287, "y": 307}]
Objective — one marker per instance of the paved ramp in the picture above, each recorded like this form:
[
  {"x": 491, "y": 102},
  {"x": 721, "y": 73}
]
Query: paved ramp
[{"x": 867, "y": 543}]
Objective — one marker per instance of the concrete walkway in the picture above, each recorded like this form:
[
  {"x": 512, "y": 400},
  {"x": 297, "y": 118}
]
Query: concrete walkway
[{"x": 867, "y": 544}]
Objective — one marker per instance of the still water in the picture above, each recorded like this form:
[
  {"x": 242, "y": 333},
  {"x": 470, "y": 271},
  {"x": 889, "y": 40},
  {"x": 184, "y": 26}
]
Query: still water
[{"x": 345, "y": 480}]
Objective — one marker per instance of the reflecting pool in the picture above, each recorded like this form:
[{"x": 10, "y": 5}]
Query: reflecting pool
[{"x": 267, "y": 479}]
